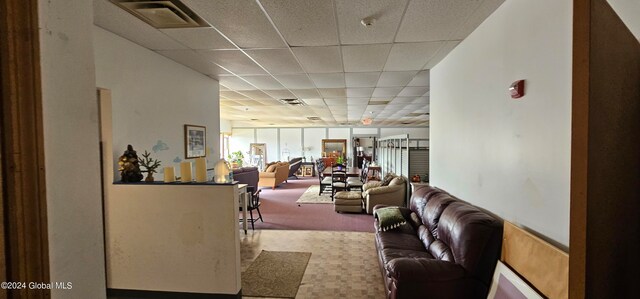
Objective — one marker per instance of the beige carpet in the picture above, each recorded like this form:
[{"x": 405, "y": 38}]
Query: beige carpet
[
  {"x": 311, "y": 196},
  {"x": 275, "y": 274}
]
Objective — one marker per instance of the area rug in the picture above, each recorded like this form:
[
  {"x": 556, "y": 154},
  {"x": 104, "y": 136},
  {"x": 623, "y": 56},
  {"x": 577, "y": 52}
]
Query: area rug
[
  {"x": 311, "y": 196},
  {"x": 275, "y": 274}
]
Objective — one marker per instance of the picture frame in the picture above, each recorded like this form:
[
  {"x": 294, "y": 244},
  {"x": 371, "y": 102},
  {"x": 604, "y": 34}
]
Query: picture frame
[
  {"x": 308, "y": 171},
  {"x": 195, "y": 141},
  {"x": 506, "y": 284}
]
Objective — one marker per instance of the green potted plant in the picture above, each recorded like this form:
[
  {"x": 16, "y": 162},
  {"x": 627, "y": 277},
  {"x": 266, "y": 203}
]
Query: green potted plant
[{"x": 236, "y": 158}]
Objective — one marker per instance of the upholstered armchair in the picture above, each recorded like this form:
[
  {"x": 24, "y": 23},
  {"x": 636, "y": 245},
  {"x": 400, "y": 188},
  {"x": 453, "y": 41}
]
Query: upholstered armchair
[
  {"x": 294, "y": 165},
  {"x": 274, "y": 174},
  {"x": 393, "y": 194}
]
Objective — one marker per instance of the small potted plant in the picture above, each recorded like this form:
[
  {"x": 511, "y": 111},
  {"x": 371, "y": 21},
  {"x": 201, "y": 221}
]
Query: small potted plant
[
  {"x": 236, "y": 158},
  {"x": 150, "y": 165}
]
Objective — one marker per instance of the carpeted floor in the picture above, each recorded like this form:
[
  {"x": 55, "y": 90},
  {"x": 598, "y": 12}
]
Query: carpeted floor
[{"x": 280, "y": 211}]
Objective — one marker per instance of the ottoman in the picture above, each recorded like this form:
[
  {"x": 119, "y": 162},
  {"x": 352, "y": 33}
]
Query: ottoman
[{"x": 348, "y": 201}]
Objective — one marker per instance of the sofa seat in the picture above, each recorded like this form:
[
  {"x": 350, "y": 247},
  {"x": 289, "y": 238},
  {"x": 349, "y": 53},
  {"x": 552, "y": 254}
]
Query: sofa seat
[{"x": 395, "y": 240}]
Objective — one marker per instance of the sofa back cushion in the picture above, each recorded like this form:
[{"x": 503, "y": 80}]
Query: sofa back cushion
[{"x": 473, "y": 237}]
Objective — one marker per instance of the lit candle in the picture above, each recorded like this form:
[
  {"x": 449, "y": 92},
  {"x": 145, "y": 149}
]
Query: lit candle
[
  {"x": 169, "y": 175},
  {"x": 201, "y": 170},
  {"x": 185, "y": 172}
]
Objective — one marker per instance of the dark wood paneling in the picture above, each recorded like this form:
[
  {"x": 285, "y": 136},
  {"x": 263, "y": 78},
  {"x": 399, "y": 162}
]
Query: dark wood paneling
[
  {"x": 605, "y": 198},
  {"x": 579, "y": 149},
  {"x": 26, "y": 252},
  {"x": 613, "y": 202}
]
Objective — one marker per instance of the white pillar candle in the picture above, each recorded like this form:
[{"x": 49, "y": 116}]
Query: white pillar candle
[
  {"x": 201, "y": 170},
  {"x": 169, "y": 175},
  {"x": 185, "y": 172}
]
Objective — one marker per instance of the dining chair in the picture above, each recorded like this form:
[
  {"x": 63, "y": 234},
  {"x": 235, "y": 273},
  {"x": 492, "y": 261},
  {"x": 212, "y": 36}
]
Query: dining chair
[
  {"x": 338, "y": 179},
  {"x": 253, "y": 204}
]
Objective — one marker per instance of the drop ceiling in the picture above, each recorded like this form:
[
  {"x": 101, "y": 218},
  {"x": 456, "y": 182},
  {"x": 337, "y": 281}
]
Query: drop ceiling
[{"x": 318, "y": 51}]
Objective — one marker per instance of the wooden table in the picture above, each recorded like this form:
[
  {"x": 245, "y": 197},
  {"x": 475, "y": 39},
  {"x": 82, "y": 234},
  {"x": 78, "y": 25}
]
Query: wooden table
[{"x": 351, "y": 171}]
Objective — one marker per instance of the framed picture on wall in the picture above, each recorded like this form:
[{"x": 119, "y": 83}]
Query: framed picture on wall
[{"x": 195, "y": 141}]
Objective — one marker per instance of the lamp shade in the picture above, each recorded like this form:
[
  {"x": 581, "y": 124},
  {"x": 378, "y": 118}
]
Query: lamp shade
[{"x": 221, "y": 171}]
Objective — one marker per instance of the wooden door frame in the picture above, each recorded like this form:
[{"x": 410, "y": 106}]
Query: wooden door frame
[{"x": 24, "y": 241}]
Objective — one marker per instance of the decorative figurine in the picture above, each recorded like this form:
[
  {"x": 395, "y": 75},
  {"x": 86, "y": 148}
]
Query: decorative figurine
[
  {"x": 129, "y": 166},
  {"x": 150, "y": 165}
]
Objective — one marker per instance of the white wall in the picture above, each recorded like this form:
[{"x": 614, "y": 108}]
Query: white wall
[
  {"x": 225, "y": 126},
  {"x": 270, "y": 138},
  {"x": 413, "y": 132},
  {"x": 509, "y": 156},
  {"x": 153, "y": 98},
  {"x": 313, "y": 141},
  {"x": 291, "y": 142},
  {"x": 71, "y": 139}
]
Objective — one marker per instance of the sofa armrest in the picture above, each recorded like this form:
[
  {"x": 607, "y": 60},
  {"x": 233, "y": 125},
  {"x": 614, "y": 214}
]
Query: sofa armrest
[
  {"x": 382, "y": 190},
  {"x": 407, "y": 269},
  {"x": 370, "y": 185},
  {"x": 267, "y": 174}
]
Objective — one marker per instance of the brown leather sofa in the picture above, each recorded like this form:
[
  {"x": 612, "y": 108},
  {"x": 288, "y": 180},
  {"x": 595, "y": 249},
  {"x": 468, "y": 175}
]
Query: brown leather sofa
[
  {"x": 447, "y": 249},
  {"x": 274, "y": 174}
]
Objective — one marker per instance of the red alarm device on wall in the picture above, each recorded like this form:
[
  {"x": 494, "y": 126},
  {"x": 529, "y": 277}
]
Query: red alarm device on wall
[{"x": 517, "y": 89}]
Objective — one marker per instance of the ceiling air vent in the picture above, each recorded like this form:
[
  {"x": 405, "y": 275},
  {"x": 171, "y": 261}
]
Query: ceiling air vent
[
  {"x": 292, "y": 102},
  {"x": 313, "y": 118},
  {"x": 414, "y": 114},
  {"x": 162, "y": 13},
  {"x": 378, "y": 102}
]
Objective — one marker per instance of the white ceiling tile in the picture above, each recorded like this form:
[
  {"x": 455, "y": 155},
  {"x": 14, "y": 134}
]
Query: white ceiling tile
[
  {"x": 328, "y": 80},
  {"x": 365, "y": 58},
  {"x": 304, "y": 22},
  {"x": 421, "y": 100},
  {"x": 477, "y": 17},
  {"x": 232, "y": 95},
  {"x": 410, "y": 91},
  {"x": 387, "y": 16},
  {"x": 319, "y": 59},
  {"x": 199, "y": 38},
  {"x": 421, "y": 79},
  {"x": 411, "y": 56},
  {"x": 235, "y": 83},
  {"x": 358, "y": 101},
  {"x": 263, "y": 82},
  {"x": 332, "y": 103},
  {"x": 359, "y": 92},
  {"x": 386, "y": 92},
  {"x": 434, "y": 20},
  {"x": 241, "y": 21},
  {"x": 392, "y": 79},
  {"x": 314, "y": 102},
  {"x": 333, "y": 92},
  {"x": 362, "y": 79},
  {"x": 233, "y": 60},
  {"x": 276, "y": 61},
  {"x": 306, "y": 93},
  {"x": 280, "y": 94},
  {"x": 195, "y": 61},
  {"x": 112, "y": 18},
  {"x": 295, "y": 81},
  {"x": 441, "y": 54},
  {"x": 256, "y": 94},
  {"x": 402, "y": 100}
]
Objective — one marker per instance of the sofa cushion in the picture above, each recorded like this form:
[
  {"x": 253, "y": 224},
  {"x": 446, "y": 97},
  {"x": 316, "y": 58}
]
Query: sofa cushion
[
  {"x": 272, "y": 167},
  {"x": 387, "y": 179},
  {"x": 389, "y": 218},
  {"x": 470, "y": 233},
  {"x": 390, "y": 254},
  {"x": 392, "y": 239},
  {"x": 433, "y": 210}
]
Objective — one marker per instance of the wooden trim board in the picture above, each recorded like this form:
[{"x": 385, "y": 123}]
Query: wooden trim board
[{"x": 543, "y": 265}]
